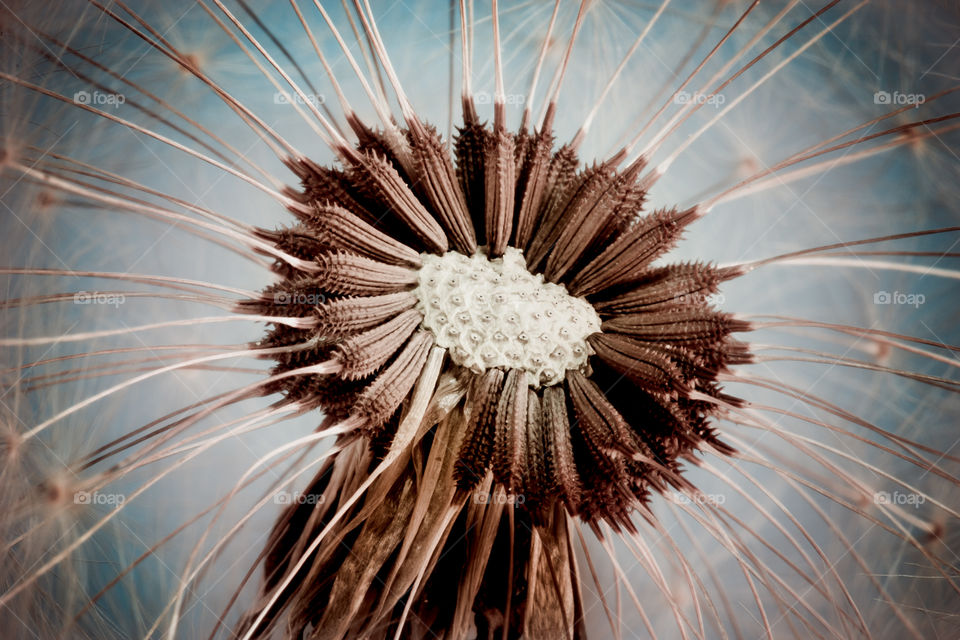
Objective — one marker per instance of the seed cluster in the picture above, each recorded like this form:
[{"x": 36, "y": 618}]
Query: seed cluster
[
  {"x": 495, "y": 313},
  {"x": 588, "y": 371}
]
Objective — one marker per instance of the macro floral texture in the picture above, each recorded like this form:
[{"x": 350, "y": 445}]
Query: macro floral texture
[{"x": 537, "y": 320}]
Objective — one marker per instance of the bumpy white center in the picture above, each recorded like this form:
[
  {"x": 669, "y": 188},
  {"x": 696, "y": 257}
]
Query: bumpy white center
[{"x": 495, "y": 313}]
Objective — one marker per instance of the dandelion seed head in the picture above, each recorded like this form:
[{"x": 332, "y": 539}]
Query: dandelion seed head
[
  {"x": 564, "y": 275},
  {"x": 495, "y": 313},
  {"x": 551, "y": 443}
]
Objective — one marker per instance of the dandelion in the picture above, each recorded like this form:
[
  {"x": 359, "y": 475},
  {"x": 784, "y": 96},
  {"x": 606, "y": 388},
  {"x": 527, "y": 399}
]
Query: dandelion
[{"x": 580, "y": 325}]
